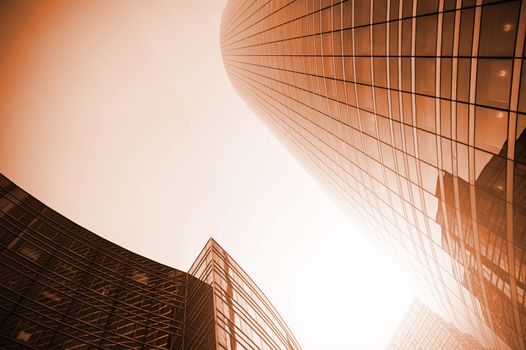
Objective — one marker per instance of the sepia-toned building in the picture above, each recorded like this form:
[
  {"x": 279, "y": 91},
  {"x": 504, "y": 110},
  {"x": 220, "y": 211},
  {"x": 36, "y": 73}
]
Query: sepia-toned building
[
  {"x": 243, "y": 317},
  {"x": 63, "y": 287},
  {"x": 411, "y": 113},
  {"x": 421, "y": 328}
]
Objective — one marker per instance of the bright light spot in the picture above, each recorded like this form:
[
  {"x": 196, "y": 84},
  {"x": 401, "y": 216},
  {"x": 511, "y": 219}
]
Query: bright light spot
[
  {"x": 502, "y": 73},
  {"x": 507, "y": 27},
  {"x": 500, "y": 115},
  {"x": 355, "y": 287}
]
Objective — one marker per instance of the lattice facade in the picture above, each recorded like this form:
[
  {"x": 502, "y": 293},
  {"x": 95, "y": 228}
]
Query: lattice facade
[
  {"x": 244, "y": 317},
  {"x": 63, "y": 287},
  {"x": 421, "y": 328},
  {"x": 411, "y": 112}
]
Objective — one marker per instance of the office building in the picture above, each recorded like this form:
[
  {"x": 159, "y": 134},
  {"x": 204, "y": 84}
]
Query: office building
[
  {"x": 421, "y": 328},
  {"x": 411, "y": 113},
  {"x": 244, "y": 317},
  {"x": 63, "y": 287}
]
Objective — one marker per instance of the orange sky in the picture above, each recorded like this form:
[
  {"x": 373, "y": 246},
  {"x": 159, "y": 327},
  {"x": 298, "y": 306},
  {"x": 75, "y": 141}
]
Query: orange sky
[{"x": 120, "y": 116}]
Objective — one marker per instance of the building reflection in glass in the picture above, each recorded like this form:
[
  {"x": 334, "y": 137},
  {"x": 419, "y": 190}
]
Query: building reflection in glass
[
  {"x": 486, "y": 271},
  {"x": 411, "y": 113}
]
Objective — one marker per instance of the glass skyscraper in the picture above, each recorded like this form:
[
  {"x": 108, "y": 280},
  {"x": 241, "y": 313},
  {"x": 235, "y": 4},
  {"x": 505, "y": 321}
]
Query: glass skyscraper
[
  {"x": 421, "y": 328},
  {"x": 63, "y": 287},
  {"x": 412, "y": 113},
  {"x": 244, "y": 318}
]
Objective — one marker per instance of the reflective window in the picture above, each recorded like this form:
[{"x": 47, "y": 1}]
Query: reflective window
[
  {"x": 445, "y": 78},
  {"x": 380, "y": 71},
  {"x": 379, "y": 39},
  {"x": 522, "y": 92},
  {"x": 445, "y": 118},
  {"x": 427, "y": 147},
  {"x": 379, "y": 11},
  {"x": 493, "y": 82},
  {"x": 428, "y": 6},
  {"x": 393, "y": 37},
  {"x": 365, "y": 97},
  {"x": 362, "y": 41},
  {"x": 491, "y": 129},
  {"x": 425, "y": 113},
  {"x": 426, "y": 28},
  {"x": 448, "y": 25},
  {"x": 466, "y": 32},
  {"x": 462, "y": 123},
  {"x": 406, "y": 37},
  {"x": 425, "y": 76},
  {"x": 463, "y": 76},
  {"x": 498, "y": 29},
  {"x": 362, "y": 12},
  {"x": 406, "y": 74},
  {"x": 363, "y": 70},
  {"x": 381, "y": 101}
]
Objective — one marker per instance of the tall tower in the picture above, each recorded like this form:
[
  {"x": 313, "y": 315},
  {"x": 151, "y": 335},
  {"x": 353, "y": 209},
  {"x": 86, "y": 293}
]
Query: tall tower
[
  {"x": 421, "y": 328},
  {"x": 412, "y": 112}
]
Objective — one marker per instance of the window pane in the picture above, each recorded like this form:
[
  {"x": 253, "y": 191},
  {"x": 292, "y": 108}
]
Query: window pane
[
  {"x": 406, "y": 37},
  {"x": 498, "y": 29},
  {"x": 363, "y": 70},
  {"x": 464, "y": 67},
  {"x": 362, "y": 11},
  {"x": 466, "y": 32},
  {"x": 522, "y": 92},
  {"x": 427, "y": 6},
  {"x": 427, "y": 147},
  {"x": 379, "y": 11},
  {"x": 491, "y": 129},
  {"x": 426, "y": 32},
  {"x": 447, "y": 33},
  {"x": 425, "y": 113},
  {"x": 362, "y": 41},
  {"x": 380, "y": 71},
  {"x": 379, "y": 39},
  {"x": 493, "y": 82},
  {"x": 381, "y": 101},
  {"x": 520, "y": 144},
  {"x": 365, "y": 97},
  {"x": 425, "y": 75},
  {"x": 445, "y": 78}
]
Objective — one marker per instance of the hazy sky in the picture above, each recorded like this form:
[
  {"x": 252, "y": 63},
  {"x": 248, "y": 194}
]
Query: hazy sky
[{"x": 120, "y": 116}]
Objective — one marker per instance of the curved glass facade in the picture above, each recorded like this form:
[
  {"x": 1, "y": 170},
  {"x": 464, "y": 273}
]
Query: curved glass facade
[
  {"x": 412, "y": 112},
  {"x": 63, "y": 287},
  {"x": 244, "y": 317}
]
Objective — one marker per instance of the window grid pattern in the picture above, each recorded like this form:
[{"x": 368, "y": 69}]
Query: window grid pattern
[
  {"x": 64, "y": 287},
  {"x": 244, "y": 318},
  {"x": 413, "y": 113},
  {"x": 421, "y": 328}
]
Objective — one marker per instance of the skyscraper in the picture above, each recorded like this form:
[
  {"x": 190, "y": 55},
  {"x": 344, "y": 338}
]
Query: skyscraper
[
  {"x": 411, "y": 113},
  {"x": 63, "y": 287},
  {"x": 244, "y": 318},
  {"x": 421, "y": 328}
]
